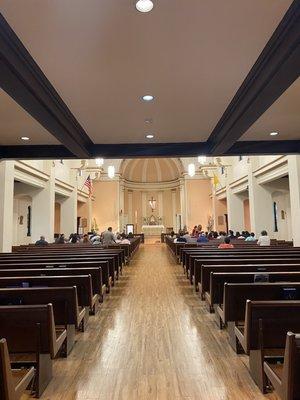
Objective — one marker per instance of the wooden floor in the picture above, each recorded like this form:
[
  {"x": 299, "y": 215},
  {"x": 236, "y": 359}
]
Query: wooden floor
[{"x": 152, "y": 339}]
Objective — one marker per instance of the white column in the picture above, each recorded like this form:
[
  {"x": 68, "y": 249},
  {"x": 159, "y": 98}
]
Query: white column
[
  {"x": 294, "y": 181},
  {"x": 144, "y": 205},
  {"x": 130, "y": 216},
  {"x": 68, "y": 214},
  {"x": 214, "y": 207},
  {"x": 6, "y": 205},
  {"x": 121, "y": 205},
  {"x": 235, "y": 210},
  {"x": 43, "y": 209},
  {"x": 90, "y": 214},
  {"x": 261, "y": 206},
  {"x": 173, "y": 192},
  {"x": 160, "y": 205},
  {"x": 183, "y": 202}
]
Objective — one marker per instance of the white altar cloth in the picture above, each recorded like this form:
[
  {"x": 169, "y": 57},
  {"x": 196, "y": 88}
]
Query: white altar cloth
[{"x": 152, "y": 230}]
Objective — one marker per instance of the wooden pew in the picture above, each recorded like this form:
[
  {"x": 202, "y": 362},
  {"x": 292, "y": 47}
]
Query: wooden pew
[
  {"x": 83, "y": 283},
  {"x": 32, "y": 338},
  {"x": 63, "y": 260},
  {"x": 198, "y": 253},
  {"x": 230, "y": 263},
  {"x": 45, "y": 266},
  {"x": 13, "y": 382},
  {"x": 96, "y": 275},
  {"x": 117, "y": 254},
  {"x": 237, "y": 256},
  {"x": 284, "y": 377},
  {"x": 67, "y": 313},
  {"x": 128, "y": 249},
  {"x": 214, "y": 293},
  {"x": 232, "y": 310},
  {"x": 264, "y": 333}
]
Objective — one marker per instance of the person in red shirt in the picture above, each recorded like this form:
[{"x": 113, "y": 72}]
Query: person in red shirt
[{"x": 226, "y": 244}]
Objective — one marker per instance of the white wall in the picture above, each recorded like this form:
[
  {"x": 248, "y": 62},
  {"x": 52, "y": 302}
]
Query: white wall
[{"x": 283, "y": 215}]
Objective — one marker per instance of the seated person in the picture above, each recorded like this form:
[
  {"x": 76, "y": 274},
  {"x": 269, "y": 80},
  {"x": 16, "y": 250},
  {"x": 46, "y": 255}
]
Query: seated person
[
  {"x": 264, "y": 239},
  {"x": 73, "y": 238},
  {"x": 86, "y": 238},
  {"x": 195, "y": 231},
  {"x": 202, "y": 238},
  {"x": 188, "y": 237},
  {"x": 226, "y": 244},
  {"x": 215, "y": 235},
  {"x": 180, "y": 238},
  {"x": 251, "y": 237},
  {"x": 239, "y": 236},
  {"x": 231, "y": 234},
  {"x": 96, "y": 239},
  {"x": 222, "y": 236},
  {"x": 41, "y": 242},
  {"x": 60, "y": 239}
]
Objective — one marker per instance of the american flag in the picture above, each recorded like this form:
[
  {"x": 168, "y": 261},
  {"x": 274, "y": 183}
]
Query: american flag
[{"x": 89, "y": 184}]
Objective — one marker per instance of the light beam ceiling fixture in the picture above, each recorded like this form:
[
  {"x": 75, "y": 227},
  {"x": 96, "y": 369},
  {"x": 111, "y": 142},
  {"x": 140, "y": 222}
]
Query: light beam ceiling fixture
[
  {"x": 25, "y": 138},
  {"x": 93, "y": 171},
  {"x": 191, "y": 169},
  {"x": 202, "y": 160},
  {"x": 111, "y": 171},
  {"x": 273, "y": 133},
  {"x": 149, "y": 136},
  {"x": 99, "y": 162},
  {"x": 144, "y": 6}
]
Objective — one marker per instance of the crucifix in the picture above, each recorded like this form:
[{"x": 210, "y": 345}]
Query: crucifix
[{"x": 152, "y": 203}]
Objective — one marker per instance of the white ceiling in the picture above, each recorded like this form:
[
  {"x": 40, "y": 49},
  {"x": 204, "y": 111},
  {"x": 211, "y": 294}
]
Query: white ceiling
[
  {"x": 283, "y": 117},
  {"x": 102, "y": 55},
  {"x": 16, "y": 122}
]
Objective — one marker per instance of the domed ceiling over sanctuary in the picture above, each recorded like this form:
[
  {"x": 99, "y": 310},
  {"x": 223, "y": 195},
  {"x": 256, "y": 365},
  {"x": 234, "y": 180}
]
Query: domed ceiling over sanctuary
[{"x": 151, "y": 170}]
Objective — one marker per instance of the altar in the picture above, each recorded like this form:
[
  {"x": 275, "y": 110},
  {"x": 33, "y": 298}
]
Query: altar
[{"x": 152, "y": 230}]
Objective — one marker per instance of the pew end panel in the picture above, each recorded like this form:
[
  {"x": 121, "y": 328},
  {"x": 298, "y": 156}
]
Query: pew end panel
[{"x": 13, "y": 382}]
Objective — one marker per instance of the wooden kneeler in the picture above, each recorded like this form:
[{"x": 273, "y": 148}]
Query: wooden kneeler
[{"x": 13, "y": 382}]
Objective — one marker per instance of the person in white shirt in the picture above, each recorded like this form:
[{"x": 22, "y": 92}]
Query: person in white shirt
[
  {"x": 264, "y": 239},
  {"x": 188, "y": 237}
]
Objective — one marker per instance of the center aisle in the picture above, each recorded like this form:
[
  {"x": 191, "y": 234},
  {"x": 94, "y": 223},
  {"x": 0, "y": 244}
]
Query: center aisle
[{"x": 152, "y": 339}]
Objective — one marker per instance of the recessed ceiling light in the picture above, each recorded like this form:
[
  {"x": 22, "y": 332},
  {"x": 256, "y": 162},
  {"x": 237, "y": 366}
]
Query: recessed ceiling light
[
  {"x": 148, "y": 120},
  {"x": 149, "y": 136},
  {"x": 148, "y": 97},
  {"x": 144, "y": 6},
  {"x": 273, "y": 133},
  {"x": 25, "y": 138}
]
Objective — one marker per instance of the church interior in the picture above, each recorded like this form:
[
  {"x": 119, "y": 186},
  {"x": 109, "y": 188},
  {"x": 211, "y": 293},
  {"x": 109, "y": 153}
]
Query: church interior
[{"x": 149, "y": 200}]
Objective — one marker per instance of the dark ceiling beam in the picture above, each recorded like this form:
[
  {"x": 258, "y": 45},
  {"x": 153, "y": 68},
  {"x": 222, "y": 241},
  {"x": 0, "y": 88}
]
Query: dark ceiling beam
[
  {"x": 31, "y": 152},
  {"x": 277, "y": 67},
  {"x": 22, "y": 79},
  {"x": 106, "y": 151},
  {"x": 136, "y": 150},
  {"x": 264, "y": 147},
  {"x": 150, "y": 150}
]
